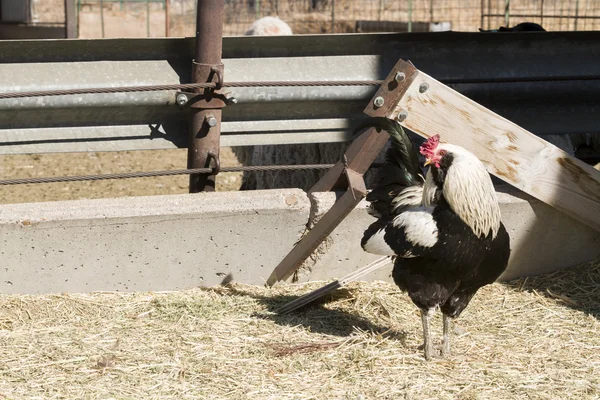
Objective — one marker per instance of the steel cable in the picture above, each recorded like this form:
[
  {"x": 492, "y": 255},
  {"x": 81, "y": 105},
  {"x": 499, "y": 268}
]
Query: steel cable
[
  {"x": 184, "y": 86},
  {"x": 125, "y": 175}
]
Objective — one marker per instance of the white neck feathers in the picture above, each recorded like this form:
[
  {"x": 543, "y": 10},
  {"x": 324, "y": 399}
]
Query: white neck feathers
[{"x": 470, "y": 192}]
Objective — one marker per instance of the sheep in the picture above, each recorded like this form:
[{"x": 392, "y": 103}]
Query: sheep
[{"x": 269, "y": 26}]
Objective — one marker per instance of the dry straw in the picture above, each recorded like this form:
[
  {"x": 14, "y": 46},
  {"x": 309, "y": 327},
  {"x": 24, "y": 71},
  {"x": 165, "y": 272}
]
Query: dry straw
[{"x": 536, "y": 338}]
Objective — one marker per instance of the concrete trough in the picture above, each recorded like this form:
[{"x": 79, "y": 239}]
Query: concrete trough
[{"x": 182, "y": 241}]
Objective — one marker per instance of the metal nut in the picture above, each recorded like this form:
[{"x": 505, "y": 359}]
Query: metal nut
[
  {"x": 400, "y": 76},
  {"x": 182, "y": 99},
  {"x": 401, "y": 116},
  {"x": 210, "y": 120},
  {"x": 423, "y": 87},
  {"x": 379, "y": 101}
]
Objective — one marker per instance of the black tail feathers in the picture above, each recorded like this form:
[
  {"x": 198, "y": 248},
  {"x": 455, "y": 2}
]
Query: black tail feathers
[{"x": 400, "y": 170}]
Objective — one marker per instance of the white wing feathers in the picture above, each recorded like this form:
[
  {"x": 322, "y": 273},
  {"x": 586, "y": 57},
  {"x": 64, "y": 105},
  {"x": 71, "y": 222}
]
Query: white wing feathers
[{"x": 418, "y": 226}]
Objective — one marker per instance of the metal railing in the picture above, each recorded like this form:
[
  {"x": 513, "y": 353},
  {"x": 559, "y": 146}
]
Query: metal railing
[
  {"x": 494, "y": 70},
  {"x": 558, "y": 96}
]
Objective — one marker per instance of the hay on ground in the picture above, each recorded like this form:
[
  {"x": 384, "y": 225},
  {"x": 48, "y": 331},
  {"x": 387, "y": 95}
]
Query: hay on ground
[{"x": 533, "y": 338}]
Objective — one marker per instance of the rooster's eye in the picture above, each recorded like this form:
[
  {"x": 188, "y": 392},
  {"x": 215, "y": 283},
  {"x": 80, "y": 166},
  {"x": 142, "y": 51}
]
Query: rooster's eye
[{"x": 442, "y": 153}]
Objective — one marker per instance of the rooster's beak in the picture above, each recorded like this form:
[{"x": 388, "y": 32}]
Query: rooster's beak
[{"x": 427, "y": 162}]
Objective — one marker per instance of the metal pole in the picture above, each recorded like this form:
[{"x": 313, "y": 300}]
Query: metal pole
[
  {"x": 576, "y": 14},
  {"x": 410, "y": 15},
  {"x": 102, "y": 16},
  {"x": 507, "y": 14},
  {"x": 332, "y": 16},
  {"x": 489, "y": 7},
  {"x": 257, "y": 8},
  {"x": 380, "y": 9},
  {"x": 203, "y": 151},
  {"x": 147, "y": 18},
  {"x": 431, "y": 11},
  {"x": 542, "y": 12},
  {"x": 167, "y": 17},
  {"x": 70, "y": 19},
  {"x": 482, "y": 13}
]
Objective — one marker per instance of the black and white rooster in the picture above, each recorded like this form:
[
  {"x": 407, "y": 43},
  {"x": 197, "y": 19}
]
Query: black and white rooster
[{"x": 444, "y": 232}]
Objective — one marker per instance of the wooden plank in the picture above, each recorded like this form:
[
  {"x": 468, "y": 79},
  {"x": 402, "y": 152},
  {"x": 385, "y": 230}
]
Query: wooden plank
[
  {"x": 508, "y": 151},
  {"x": 332, "y": 218}
]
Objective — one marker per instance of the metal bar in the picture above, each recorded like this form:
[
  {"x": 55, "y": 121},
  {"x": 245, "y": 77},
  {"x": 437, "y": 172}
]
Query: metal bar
[
  {"x": 70, "y": 19},
  {"x": 507, "y": 13},
  {"x": 542, "y": 12},
  {"x": 332, "y": 218},
  {"x": 102, "y": 16},
  {"x": 576, "y": 14},
  {"x": 545, "y": 16},
  {"x": 206, "y": 122},
  {"x": 482, "y": 12},
  {"x": 431, "y": 11},
  {"x": 332, "y": 16},
  {"x": 410, "y": 9},
  {"x": 147, "y": 18},
  {"x": 167, "y": 9}
]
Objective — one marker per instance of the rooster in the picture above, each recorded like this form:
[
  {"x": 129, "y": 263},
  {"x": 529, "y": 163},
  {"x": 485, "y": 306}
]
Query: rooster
[{"x": 443, "y": 230}]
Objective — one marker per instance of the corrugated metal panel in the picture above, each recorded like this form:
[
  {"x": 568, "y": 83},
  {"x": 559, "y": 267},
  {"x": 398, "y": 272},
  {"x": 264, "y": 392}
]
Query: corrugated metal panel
[{"x": 15, "y": 10}]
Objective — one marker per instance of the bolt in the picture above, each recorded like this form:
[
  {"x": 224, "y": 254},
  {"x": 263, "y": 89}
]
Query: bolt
[
  {"x": 232, "y": 100},
  {"x": 182, "y": 99},
  {"x": 379, "y": 101},
  {"x": 423, "y": 87},
  {"x": 401, "y": 116},
  {"x": 210, "y": 120},
  {"x": 400, "y": 76}
]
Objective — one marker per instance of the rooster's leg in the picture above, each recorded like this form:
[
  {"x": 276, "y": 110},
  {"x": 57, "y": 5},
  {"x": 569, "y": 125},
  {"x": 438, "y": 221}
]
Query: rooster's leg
[
  {"x": 428, "y": 344},
  {"x": 446, "y": 337}
]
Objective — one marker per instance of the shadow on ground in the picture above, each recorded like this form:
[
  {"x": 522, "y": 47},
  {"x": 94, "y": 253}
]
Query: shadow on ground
[{"x": 314, "y": 316}]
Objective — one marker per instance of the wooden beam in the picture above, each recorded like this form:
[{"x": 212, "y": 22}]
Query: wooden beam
[
  {"x": 508, "y": 151},
  {"x": 332, "y": 218}
]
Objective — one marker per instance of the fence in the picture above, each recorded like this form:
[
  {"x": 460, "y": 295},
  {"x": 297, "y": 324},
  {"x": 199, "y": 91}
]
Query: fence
[
  {"x": 103, "y": 249},
  {"x": 146, "y": 18}
]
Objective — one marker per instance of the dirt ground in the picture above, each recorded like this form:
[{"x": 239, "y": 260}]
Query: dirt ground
[{"x": 38, "y": 165}]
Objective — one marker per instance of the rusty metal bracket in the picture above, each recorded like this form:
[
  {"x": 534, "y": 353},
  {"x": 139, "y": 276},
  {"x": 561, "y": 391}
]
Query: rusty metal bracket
[
  {"x": 214, "y": 157},
  {"x": 348, "y": 173},
  {"x": 209, "y": 98}
]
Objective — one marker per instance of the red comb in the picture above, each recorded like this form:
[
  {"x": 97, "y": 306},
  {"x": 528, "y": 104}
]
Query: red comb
[{"x": 429, "y": 146}]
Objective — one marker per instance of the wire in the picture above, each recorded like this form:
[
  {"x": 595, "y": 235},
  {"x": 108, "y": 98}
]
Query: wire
[
  {"x": 54, "y": 179},
  {"x": 184, "y": 86}
]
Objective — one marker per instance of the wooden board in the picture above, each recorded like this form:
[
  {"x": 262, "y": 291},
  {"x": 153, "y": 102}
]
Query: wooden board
[{"x": 508, "y": 151}]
